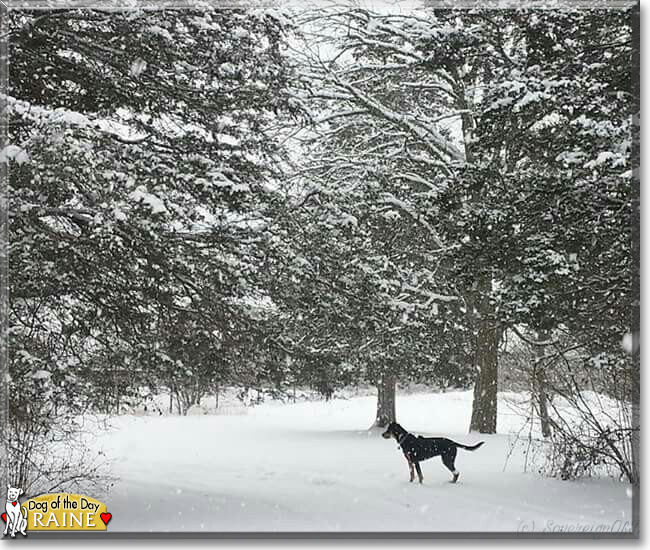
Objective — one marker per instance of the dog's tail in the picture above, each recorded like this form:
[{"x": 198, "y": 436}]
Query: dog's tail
[
  {"x": 469, "y": 447},
  {"x": 24, "y": 512}
]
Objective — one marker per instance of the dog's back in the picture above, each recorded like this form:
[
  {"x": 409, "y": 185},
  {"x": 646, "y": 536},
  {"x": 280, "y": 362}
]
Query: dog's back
[{"x": 428, "y": 447}]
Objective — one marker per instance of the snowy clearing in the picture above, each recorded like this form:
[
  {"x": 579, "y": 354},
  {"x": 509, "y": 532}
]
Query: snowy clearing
[{"x": 314, "y": 466}]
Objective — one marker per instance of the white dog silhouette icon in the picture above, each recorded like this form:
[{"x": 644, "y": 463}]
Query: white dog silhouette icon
[{"x": 16, "y": 521}]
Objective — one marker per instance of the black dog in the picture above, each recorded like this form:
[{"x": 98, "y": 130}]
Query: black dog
[{"x": 417, "y": 449}]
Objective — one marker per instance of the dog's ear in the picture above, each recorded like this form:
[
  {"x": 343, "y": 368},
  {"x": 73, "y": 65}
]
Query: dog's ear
[
  {"x": 21, "y": 492},
  {"x": 8, "y": 486}
]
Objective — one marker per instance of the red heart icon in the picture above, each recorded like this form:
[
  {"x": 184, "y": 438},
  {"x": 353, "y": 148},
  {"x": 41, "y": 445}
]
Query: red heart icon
[
  {"x": 106, "y": 517},
  {"x": 4, "y": 517}
]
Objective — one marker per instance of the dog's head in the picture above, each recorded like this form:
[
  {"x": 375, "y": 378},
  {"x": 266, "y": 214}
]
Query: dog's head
[
  {"x": 393, "y": 430},
  {"x": 13, "y": 493}
]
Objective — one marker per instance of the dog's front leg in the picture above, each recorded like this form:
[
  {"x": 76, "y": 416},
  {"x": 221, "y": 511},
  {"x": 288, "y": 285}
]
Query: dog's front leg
[
  {"x": 410, "y": 469},
  {"x": 417, "y": 467}
]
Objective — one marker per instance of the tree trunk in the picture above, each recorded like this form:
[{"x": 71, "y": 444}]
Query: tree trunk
[
  {"x": 386, "y": 401},
  {"x": 484, "y": 407},
  {"x": 539, "y": 384}
]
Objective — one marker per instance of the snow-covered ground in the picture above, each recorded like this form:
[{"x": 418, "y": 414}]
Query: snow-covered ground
[{"x": 315, "y": 466}]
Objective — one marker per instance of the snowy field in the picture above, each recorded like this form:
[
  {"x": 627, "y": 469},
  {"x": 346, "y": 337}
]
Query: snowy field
[{"x": 315, "y": 466}]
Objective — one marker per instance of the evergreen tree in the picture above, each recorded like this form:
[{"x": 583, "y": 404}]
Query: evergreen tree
[{"x": 143, "y": 153}]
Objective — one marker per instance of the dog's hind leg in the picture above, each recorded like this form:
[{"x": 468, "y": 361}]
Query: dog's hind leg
[
  {"x": 448, "y": 459},
  {"x": 417, "y": 467}
]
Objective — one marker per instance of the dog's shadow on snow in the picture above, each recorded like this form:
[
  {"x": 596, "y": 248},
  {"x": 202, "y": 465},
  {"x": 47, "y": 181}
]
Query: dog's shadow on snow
[{"x": 430, "y": 485}]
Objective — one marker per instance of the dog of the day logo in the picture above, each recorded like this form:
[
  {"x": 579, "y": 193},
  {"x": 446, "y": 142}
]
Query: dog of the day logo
[{"x": 53, "y": 512}]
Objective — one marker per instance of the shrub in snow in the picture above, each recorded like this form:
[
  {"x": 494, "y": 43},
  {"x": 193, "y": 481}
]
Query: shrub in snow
[{"x": 44, "y": 437}]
